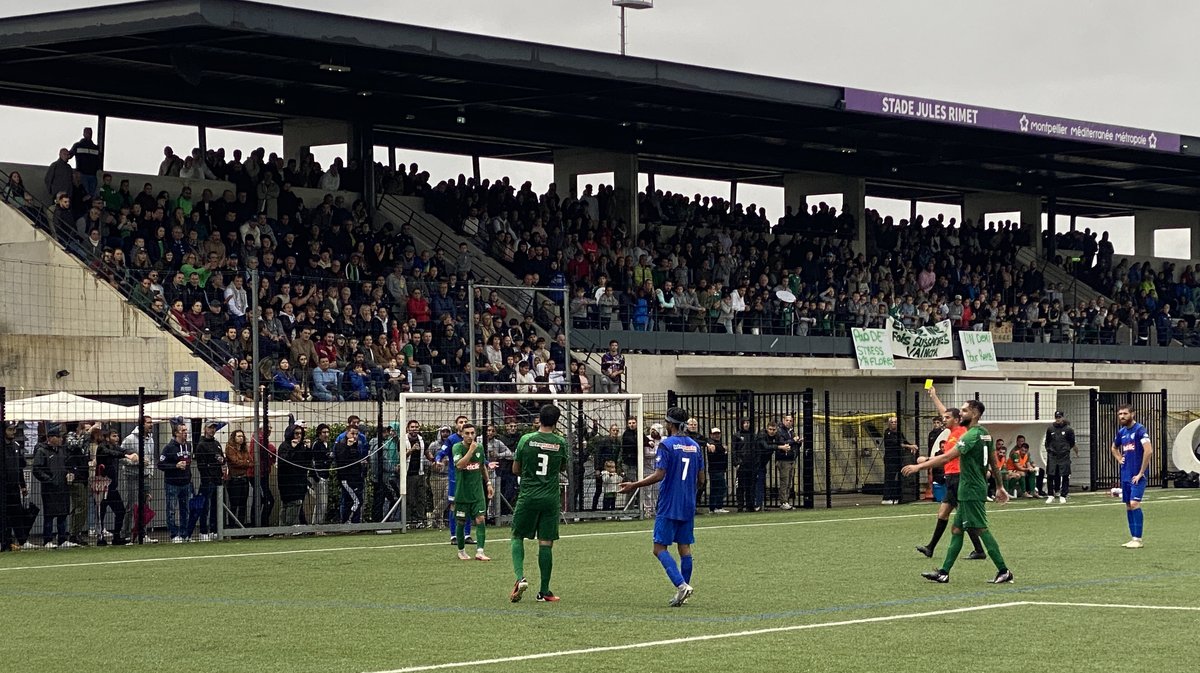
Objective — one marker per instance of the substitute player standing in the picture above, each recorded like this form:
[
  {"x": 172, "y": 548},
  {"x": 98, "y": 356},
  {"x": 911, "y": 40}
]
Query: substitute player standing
[
  {"x": 678, "y": 469},
  {"x": 950, "y": 417},
  {"x": 539, "y": 458},
  {"x": 470, "y": 462},
  {"x": 974, "y": 451},
  {"x": 1132, "y": 449}
]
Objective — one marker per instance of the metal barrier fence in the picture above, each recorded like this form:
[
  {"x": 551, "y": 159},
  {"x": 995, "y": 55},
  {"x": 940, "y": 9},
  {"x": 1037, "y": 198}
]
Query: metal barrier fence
[{"x": 78, "y": 471}]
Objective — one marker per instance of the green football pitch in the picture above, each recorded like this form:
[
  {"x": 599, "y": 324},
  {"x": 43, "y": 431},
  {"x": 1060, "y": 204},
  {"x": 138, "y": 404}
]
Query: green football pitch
[{"x": 823, "y": 590}]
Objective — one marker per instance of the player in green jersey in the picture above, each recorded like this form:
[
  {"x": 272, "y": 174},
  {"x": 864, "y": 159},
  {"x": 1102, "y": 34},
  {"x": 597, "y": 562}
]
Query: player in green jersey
[
  {"x": 470, "y": 463},
  {"x": 539, "y": 458},
  {"x": 974, "y": 451}
]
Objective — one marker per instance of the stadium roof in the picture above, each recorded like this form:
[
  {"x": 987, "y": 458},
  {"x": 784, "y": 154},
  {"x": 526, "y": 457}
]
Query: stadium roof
[{"x": 243, "y": 65}]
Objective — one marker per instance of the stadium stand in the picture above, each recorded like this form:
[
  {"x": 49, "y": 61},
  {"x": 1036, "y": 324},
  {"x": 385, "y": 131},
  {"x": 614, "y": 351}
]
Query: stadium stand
[{"x": 387, "y": 304}]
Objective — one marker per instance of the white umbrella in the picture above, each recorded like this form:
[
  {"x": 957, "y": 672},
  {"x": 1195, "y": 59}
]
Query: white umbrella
[
  {"x": 65, "y": 407},
  {"x": 190, "y": 406}
]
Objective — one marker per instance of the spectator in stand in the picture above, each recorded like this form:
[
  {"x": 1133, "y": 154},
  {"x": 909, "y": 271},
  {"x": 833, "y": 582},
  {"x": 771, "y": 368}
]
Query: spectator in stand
[
  {"x": 237, "y": 301},
  {"x": 612, "y": 369},
  {"x": 87, "y": 160},
  {"x": 326, "y": 382},
  {"x": 171, "y": 163},
  {"x": 58, "y": 176}
]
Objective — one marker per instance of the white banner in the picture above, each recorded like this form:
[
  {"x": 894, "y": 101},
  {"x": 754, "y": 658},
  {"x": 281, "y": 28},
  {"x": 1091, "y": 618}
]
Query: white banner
[
  {"x": 923, "y": 343},
  {"x": 978, "y": 350},
  {"x": 873, "y": 348}
]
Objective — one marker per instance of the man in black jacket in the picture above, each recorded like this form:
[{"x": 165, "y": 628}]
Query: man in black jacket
[
  {"x": 895, "y": 444},
  {"x": 175, "y": 461},
  {"x": 321, "y": 453},
  {"x": 1060, "y": 442},
  {"x": 210, "y": 463},
  {"x": 108, "y": 466},
  {"x": 12, "y": 481},
  {"x": 603, "y": 449},
  {"x": 79, "y": 455},
  {"x": 747, "y": 453},
  {"x": 631, "y": 444},
  {"x": 347, "y": 456},
  {"x": 50, "y": 468},
  {"x": 718, "y": 466}
]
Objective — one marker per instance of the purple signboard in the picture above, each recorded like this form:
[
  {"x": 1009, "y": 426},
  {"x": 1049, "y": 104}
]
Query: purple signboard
[{"x": 943, "y": 112}]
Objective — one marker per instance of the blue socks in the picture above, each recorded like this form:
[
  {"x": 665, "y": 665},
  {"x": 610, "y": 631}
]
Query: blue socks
[
  {"x": 1135, "y": 522},
  {"x": 685, "y": 565},
  {"x": 668, "y": 564}
]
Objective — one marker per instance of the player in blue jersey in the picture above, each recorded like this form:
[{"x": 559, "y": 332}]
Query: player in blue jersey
[
  {"x": 678, "y": 470},
  {"x": 445, "y": 457},
  {"x": 1132, "y": 449}
]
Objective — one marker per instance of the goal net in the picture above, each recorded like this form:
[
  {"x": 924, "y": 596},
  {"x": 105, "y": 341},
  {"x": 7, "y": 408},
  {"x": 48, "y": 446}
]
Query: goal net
[{"x": 597, "y": 429}]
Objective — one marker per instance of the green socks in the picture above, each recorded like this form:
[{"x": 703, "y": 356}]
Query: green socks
[
  {"x": 993, "y": 550},
  {"x": 518, "y": 557},
  {"x": 461, "y": 539},
  {"x": 545, "y": 566},
  {"x": 480, "y": 534},
  {"x": 956, "y": 544}
]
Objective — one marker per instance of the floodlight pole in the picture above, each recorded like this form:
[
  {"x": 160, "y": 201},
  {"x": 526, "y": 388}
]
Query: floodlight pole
[{"x": 622, "y": 30}]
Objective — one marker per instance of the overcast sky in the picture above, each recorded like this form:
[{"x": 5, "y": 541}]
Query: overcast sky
[{"x": 1102, "y": 60}]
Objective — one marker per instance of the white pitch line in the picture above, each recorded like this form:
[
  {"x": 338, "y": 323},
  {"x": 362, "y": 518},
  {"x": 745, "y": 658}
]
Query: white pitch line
[
  {"x": 693, "y": 639},
  {"x": 1115, "y": 606},
  {"x": 408, "y": 545}
]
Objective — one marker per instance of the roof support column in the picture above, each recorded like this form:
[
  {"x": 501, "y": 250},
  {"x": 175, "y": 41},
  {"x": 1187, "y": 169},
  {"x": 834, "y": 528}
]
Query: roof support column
[
  {"x": 362, "y": 149},
  {"x": 101, "y": 136},
  {"x": 569, "y": 164},
  {"x": 977, "y": 205},
  {"x": 797, "y": 187}
]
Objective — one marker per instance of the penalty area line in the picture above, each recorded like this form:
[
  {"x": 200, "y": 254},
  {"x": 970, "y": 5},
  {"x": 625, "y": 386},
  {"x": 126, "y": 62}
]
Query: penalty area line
[{"x": 700, "y": 638}]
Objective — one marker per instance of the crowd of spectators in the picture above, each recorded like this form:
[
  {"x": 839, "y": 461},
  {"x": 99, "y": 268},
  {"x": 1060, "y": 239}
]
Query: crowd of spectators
[
  {"x": 353, "y": 308},
  {"x": 348, "y": 309},
  {"x": 703, "y": 265},
  {"x": 1140, "y": 296}
]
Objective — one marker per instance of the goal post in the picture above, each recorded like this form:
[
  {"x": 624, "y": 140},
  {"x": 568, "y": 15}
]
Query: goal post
[{"x": 587, "y": 422}]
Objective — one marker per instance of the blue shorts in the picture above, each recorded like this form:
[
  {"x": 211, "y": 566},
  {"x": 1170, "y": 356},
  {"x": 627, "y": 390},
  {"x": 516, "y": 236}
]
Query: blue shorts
[
  {"x": 673, "y": 531},
  {"x": 1131, "y": 492}
]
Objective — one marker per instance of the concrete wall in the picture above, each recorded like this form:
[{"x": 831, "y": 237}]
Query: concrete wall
[
  {"x": 55, "y": 315},
  {"x": 706, "y": 373}
]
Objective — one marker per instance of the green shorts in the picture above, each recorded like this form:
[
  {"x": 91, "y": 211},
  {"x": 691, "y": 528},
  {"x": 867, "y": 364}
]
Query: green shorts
[
  {"x": 469, "y": 509},
  {"x": 536, "y": 520},
  {"x": 970, "y": 514}
]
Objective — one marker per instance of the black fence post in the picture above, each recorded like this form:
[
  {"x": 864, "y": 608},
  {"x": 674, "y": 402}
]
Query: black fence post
[
  {"x": 828, "y": 457},
  {"x": 1093, "y": 436},
  {"x": 809, "y": 437},
  {"x": 377, "y": 500},
  {"x": 1037, "y": 405},
  {"x": 917, "y": 440},
  {"x": 4, "y": 474},
  {"x": 672, "y": 399},
  {"x": 1162, "y": 431},
  {"x": 139, "y": 508}
]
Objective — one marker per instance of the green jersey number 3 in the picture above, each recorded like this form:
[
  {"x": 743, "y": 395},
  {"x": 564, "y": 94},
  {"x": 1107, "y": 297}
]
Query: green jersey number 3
[{"x": 543, "y": 467}]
